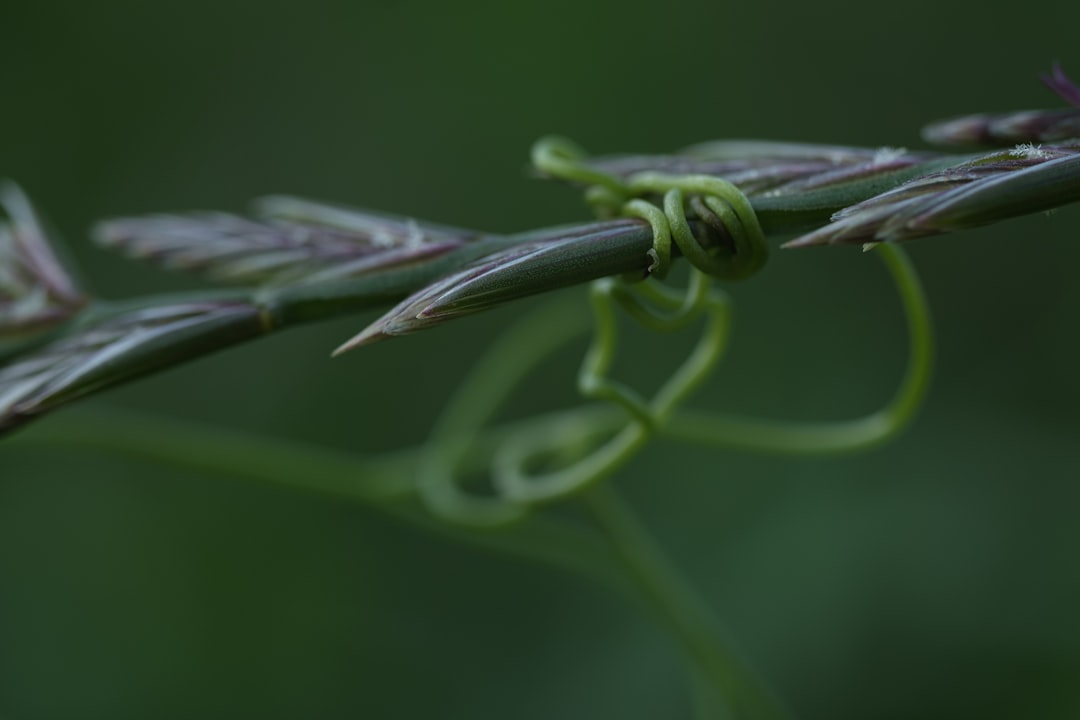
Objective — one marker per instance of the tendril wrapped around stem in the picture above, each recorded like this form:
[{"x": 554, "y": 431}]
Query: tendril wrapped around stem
[
  {"x": 738, "y": 249},
  {"x": 579, "y": 452}
]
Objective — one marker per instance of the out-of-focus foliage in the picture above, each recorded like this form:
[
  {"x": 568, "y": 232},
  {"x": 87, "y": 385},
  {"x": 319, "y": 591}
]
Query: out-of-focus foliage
[{"x": 934, "y": 578}]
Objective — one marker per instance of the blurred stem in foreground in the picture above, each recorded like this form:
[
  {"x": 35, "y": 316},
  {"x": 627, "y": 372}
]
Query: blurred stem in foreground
[
  {"x": 495, "y": 486},
  {"x": 614, "y": 549},
  {"x": 725, "y": 686}
]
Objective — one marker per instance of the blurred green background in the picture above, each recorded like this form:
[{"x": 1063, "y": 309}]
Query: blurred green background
[{"x": 934, "y": 578}]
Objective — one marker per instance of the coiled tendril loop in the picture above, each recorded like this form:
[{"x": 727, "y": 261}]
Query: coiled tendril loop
[
  {"x": 716, "y": 203},
  {"x": 577, "y": 450},
  {"x": 584, "y": 457}
]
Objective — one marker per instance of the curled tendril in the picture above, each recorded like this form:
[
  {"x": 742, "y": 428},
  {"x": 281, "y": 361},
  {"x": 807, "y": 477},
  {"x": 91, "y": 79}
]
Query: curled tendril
[
  {"x": 561, "y": 158},
  {"x": 513, "y": 463},
  {"x": 715, "y": 201},
  {"x": 588, "y": 444},
  {"x": 587, "y": 455},
  {"x": 585, "y": 452},
  {"x": 578, "y": 450}
]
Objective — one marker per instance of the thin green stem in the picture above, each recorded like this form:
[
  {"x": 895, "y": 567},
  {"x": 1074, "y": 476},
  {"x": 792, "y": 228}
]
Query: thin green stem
[
  {"x": 458, "y": 442},
  {"x": 821, "y": 438},
  {"x": 513, "y": 475},
  {"x": 492, "y": 379},
  {"x": 683, "y": 613},
  {"x": 232, "y": 453},
  {"x": 386, "y": 483}
]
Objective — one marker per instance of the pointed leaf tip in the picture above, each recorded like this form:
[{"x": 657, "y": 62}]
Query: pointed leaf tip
[
  {"x": 539, "y": 263},
  {"x": 37, "y": 291},
  {"x": 368, "y": 336},
  {"x": 974, "y": 192}
]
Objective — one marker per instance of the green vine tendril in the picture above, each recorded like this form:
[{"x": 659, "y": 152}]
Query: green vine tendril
[
  {"x": 585, "y": 458},
  {"x": 570, "y": 454}
]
